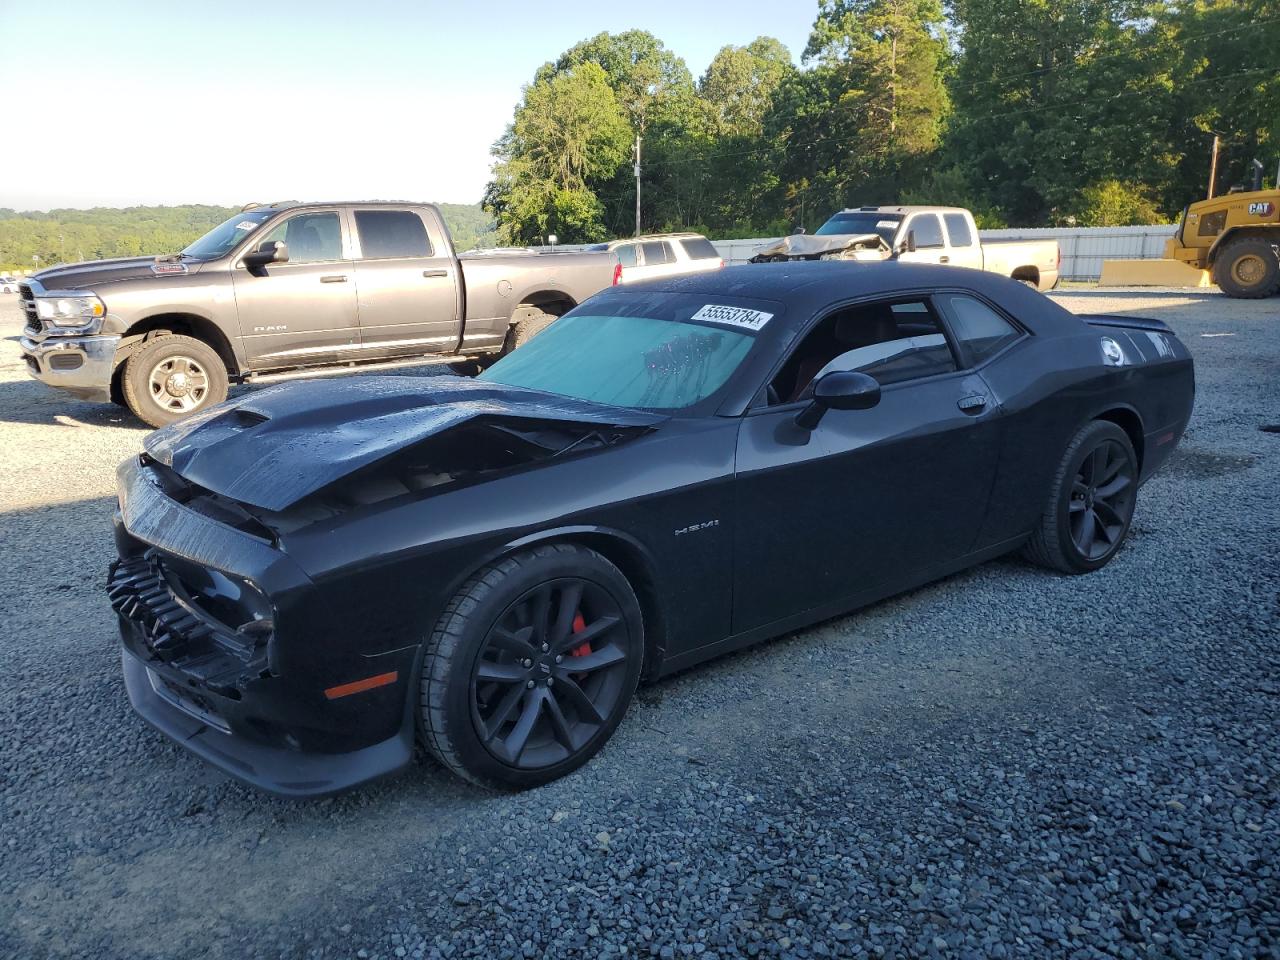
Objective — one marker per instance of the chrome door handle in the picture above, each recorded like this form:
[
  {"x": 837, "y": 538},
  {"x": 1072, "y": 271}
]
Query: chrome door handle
[
  {"x": 334, "y": 278},
  {"x": 944, "y": 259},
  {"x": 435, "y": 273}
]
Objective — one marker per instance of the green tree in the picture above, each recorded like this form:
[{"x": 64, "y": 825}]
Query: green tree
[
  {"x": 1113, "y": 203},
  {"x": 871, "y": 108},
  {"x": 1053, "y": 98},
  {"x": 568, "y": 132}
]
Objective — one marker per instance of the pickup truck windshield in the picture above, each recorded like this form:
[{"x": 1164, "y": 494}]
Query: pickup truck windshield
[
  {"x": 862, "y": 221},
  {"x": 628, "y": 361},
  {"x": 223, "y": 238}
]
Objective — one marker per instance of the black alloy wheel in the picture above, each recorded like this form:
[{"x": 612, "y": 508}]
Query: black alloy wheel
[
  {"x": 531, "y": 666},
  {"x": 1091, "y": 501},
  {"x": 1102, "y": 500},
  {"x": 550, "y": 674}
]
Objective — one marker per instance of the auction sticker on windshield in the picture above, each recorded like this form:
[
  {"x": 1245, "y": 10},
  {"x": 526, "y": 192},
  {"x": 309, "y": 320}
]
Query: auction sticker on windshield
[{"x": 740, "y": 317}]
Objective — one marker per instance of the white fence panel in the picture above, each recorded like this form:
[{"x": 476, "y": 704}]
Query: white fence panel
[{"x": 1083, "y": 248}]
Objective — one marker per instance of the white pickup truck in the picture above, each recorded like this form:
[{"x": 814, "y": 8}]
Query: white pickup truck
[{"x": 921, "y": 235}]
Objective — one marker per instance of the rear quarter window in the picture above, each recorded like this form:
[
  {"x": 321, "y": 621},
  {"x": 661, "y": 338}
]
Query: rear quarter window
[
  {"x": 978, "y": 328},
  {"x": 958, "y": 229},
  {"x": 390, "y": 234},
  {"x": 699, "y": 248},
  {"x": 656, "y": 252}
]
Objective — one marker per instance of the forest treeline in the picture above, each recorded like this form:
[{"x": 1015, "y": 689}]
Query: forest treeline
[
  {"x": 1031, "y": 112},
  {"x": 60, "y": 236}
]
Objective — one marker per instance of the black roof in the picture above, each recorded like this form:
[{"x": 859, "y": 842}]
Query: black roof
[{"x": 808, "y": 286}]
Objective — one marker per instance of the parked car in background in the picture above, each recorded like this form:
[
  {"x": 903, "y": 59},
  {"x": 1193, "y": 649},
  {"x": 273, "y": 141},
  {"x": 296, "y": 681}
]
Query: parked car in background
[
  {"x": 662, "y": 255},
  {"x": 8, "y": 284},
  {"x": 290, "y": 290},
  {"x": 930, "y": 235}
]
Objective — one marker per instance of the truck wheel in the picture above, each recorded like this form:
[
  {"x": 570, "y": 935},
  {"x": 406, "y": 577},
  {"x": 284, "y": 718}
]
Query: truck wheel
[
  {"x": 1248, "y": 268},
  {"x": 526, "y": 324},
  {"x": 172, "y": 377}
]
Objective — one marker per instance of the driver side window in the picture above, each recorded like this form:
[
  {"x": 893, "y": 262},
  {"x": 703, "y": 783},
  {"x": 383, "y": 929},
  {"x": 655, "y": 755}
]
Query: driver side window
[
  {"x": 892, "y": 342},
  {"x": 312, "y": 237}
]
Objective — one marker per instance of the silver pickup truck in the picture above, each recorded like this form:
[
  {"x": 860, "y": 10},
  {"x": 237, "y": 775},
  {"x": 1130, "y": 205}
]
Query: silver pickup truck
[{"x": 289, "y": 290}]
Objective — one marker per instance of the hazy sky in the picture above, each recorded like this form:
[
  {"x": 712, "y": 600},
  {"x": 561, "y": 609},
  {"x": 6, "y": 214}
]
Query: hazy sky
[{"x": 111, "y": 103}]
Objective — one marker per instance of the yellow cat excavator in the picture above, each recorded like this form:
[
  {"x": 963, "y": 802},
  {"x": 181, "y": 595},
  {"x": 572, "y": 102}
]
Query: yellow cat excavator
[{"x": 1237, "y": 236}]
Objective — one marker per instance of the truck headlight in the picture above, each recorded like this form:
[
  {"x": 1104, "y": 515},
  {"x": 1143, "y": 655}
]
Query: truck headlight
[{"x": 70, "y": 309}]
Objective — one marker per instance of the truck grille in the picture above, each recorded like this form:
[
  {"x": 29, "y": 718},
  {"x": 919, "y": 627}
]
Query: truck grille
[{"x": 29, "y": 307}]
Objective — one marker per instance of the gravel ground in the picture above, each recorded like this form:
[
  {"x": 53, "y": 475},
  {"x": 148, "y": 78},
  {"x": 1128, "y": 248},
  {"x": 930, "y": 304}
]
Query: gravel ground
[{"x": 1004, "y": 764}]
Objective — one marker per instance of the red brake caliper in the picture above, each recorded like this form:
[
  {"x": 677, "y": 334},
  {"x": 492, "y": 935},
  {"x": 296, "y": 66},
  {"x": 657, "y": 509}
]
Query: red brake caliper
[{"x": 580, "y": 624}]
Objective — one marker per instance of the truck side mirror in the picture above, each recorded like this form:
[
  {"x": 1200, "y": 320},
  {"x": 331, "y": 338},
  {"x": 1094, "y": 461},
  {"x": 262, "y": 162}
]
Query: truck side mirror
[
  {"x": 272, "y": 251},
  {"x": 910, "y": 243}
]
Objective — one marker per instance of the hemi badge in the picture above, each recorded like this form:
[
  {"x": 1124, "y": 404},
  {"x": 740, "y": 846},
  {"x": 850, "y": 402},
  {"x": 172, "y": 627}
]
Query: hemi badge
[{"x": 360, "y": 686}]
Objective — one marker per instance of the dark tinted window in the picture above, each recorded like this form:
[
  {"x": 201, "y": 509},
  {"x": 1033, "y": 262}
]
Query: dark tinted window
[
  {"x": 385, "y": 234},
  {"x": 311, "y": 237},
  {"x": 891, "y": 342},
  {"x": 655, "y": 251},
  {"x": 1211, "y": 224},
  {"x": 958, "y": 229},
  {"x": 983, "y": 331},
  {"x": 699, "y": 248},
  {"x": 626, "y": 254},
  {"x": 928, "y": 231}
]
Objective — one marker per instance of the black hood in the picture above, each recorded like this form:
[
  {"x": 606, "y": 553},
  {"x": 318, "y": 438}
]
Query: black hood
[
  {"x": 77, "y": 276},
  {"x": 274, "y": 447}
]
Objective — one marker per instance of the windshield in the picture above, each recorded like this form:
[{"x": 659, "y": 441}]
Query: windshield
[
  {"x": 658, "y": 351},
  {"x": 863, "y": 221},
  {"x": 223, "y": 238}
]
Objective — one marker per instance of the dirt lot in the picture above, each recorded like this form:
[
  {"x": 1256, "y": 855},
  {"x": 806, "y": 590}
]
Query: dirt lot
[{"x": 1007, "y": 763}]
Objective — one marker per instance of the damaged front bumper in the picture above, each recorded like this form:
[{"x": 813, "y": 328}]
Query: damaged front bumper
[
  {"x": 80, "y": 365},
  {"x": 220, "y": 636}
]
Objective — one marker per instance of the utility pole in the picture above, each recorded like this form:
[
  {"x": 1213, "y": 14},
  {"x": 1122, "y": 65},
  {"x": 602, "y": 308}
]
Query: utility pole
[
  {"x": 1213, "y": 167},
  {"x": 637, "y": 184}
]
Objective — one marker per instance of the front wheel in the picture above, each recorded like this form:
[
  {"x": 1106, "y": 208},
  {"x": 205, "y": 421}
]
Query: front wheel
[
  {"x": 531, "y": 667},
  {"x": 171, "y": 377},
  {"x": 1091, "y": 502},
  {"x": 1248, "y": 268}
]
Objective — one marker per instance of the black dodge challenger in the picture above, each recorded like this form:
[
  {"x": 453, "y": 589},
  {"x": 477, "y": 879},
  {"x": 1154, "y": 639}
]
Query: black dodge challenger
[{"x": 315, "y": 576}]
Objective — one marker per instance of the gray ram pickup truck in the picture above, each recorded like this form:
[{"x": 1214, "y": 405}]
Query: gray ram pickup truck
[{"x": 289, "y": 290}]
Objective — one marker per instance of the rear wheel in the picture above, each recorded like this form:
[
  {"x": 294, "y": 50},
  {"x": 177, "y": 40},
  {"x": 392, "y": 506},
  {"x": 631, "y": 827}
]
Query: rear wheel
[
  {"x": 531, "y": 667},
  {"x": 1090, "y": 503},
  {"x": 171, "y": 377},
  {"x": 526, "y": 324},
  {"x": 1248, "y": 268}
]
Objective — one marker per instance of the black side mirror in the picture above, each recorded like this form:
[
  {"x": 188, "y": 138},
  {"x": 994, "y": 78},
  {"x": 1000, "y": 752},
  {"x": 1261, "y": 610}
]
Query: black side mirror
[
  {"x": 839, "y": 390},
  {"x": 909, "y": 245},
  {"x": 272, "y": 251}
]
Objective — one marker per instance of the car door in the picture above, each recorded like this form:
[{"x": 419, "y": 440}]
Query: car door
[
  {"x": 406, "y": 282},
  {"x": 871, "y": 498},
  {"x": 302, "y": 311},
  {"x": 659, "y": 259},
  {"x": 931, "y": 244},
  {"x": 962, "y": 241}
]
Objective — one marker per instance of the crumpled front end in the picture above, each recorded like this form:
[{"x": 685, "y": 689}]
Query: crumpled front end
[{"x": 227, "y": 647}]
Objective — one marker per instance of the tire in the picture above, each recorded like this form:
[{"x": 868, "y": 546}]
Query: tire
[
  {"x": 1092, "y": 497},
  {"x": 501, "y": 711},
  {"x": 526, "y": 323},
  {"x": 1248, "y": 268},
  {"x": 172, "y": 377}
]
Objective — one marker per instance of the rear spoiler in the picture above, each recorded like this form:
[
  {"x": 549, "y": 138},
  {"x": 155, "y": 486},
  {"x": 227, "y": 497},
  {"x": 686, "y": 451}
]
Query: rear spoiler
[{"x": 1128, "y": 323}]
